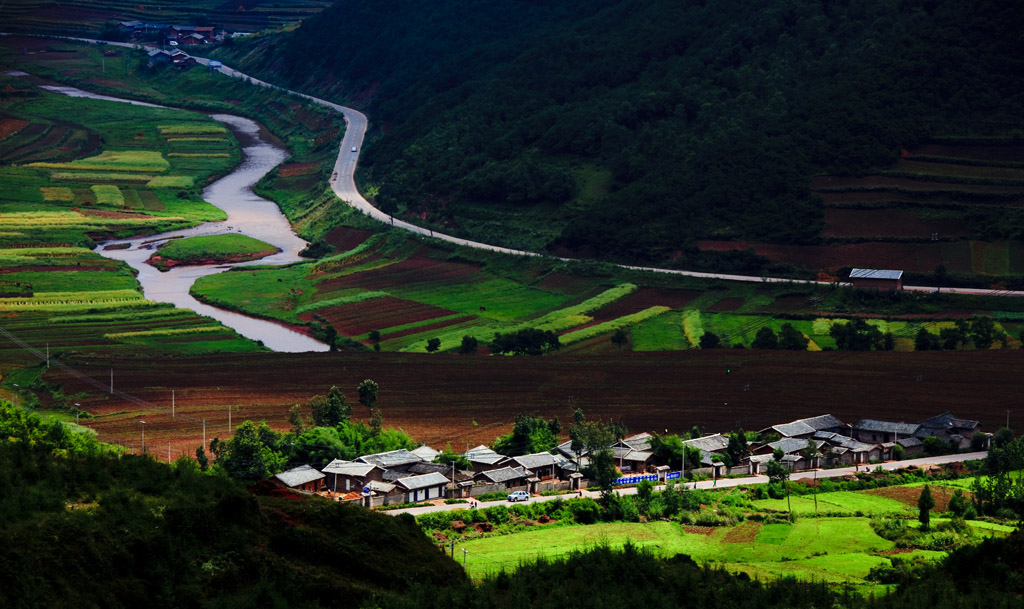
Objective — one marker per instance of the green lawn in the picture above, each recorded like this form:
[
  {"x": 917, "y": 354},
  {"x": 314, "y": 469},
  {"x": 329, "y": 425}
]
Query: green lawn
[
  {"x": 214, "y": 248},
  {"x": 839, "y": 502}
]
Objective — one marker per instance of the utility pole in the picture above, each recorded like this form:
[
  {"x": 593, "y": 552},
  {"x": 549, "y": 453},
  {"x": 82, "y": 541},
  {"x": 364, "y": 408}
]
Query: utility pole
[
  {"x": 204, "y": 435},
  {"x": 47, "y": 356},
  {"x": 464, "y": 552},
  {"x": 172, "y": 403},
  {"x": 111, "y": 381},
  {"x": 143, "y": 436},
  {"x": 168, "y": 451},
  {"x": 229, "y": 420}
]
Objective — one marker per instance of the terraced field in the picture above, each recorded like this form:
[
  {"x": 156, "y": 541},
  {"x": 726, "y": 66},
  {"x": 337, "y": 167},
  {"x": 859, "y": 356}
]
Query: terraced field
[{"x": 950, "y": 202}]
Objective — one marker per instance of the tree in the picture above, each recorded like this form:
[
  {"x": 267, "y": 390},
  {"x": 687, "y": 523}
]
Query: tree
[
  {"x": 595, "y": 438},
  {"x": 252, "y": 454},
  {"x": 469, "y": 345},
  {"x": 765, "y": 339},
  {"x": 330, "y": 410},
  {"x": 368, "y": 393},
  {"x": 296, "y": 419},
  {"x": 709, "y": 340},
  {"x": 448, "y": 456},
  {"x": 620, "y": 338},
  {"x": 983, "y": 332},
  {"x": 925, "y": 341},
  {"x": 791, "y": 339},
  {"x": 528, "y": 341},
  {"x": 202, "y": 459},
  {"x": 529, "y": 435},
  {"x": 737, "y": 447},
  {"x": 924, "y": 504},
  {"x": 858, "y": 335},
  {"x": 375, "y": 339},
  {"x": 957, "y": 503},
  {"x": 433, "y": 344}
]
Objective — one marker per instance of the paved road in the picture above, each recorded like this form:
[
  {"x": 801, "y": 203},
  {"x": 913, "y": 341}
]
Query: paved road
[
  {"x": 440, "y": 506},
  {"x": 344, "y": 186}
]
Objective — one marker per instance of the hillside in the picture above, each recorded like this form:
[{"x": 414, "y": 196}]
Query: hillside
[
  {"x": 84, "y": 527},
  {"x": 630, "y": 130}
]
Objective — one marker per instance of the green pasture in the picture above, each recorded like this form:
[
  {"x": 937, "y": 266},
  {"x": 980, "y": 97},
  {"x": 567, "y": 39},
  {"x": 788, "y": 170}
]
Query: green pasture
[
  {"x": 274, "y": 292},
  {"x": 660, "y": 333},
  {"x": 823, "y": 549}
]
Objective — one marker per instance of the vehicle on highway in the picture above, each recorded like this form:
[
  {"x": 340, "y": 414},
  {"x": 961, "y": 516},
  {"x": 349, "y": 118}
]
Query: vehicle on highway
[
  {"x": 353, "y": 148},
  {"x": 518, "y": 496}
]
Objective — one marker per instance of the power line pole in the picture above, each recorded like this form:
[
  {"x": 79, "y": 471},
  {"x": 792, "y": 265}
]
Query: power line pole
[
  {"x": 172, "y": 403},
  {"x": 204, "y": 435},
  {"x": 111, "y": 381}
]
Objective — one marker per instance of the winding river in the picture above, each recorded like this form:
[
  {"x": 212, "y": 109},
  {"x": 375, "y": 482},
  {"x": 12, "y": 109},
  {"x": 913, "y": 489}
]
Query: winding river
[{"x": 247, "y": 213}]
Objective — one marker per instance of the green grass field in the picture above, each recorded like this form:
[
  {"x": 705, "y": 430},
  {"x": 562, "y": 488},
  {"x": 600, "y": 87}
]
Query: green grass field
[
  {"x": 210, "y": 249},
  {"x": 822, "y": 549}
]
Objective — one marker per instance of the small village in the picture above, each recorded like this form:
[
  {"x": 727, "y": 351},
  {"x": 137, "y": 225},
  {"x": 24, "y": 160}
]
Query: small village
[{"x": 412, "y": 476}]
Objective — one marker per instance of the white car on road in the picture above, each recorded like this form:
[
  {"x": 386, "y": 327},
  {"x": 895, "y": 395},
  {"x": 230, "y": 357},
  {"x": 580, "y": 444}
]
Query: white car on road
[{"x": 518, "y": 496}]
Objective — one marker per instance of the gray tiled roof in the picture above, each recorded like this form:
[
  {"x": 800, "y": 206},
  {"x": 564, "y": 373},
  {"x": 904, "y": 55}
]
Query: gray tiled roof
[
  {"x": 713, "y": 443},
  {"x": 425, "y": 452},
  {"x": 825, "y": 421},
  {"x": 907, "y": 429},
  {"x": 909, "y": 442},
  {"x": 380, "y": 487},
  {"x": 641, "y": 441},
  {"x": 423, "y": 481},
  {"x": 790, "y": 445},
  {"x": 796, "y": 428},
  {"x": 483, "y": 454},
  {"x": 299, "y": 475},
  {"x": 393, "y": 458},
  {"x": 875, "y": 274},
  {"x": 566, "y": 449},
  {"x": 535, "y": 460},
  {"x": 948, "y": 420},
  {"x": 846, "y": 442},
  {"x": 348, "y": 468},
  {"x": 505, "y": 474}
]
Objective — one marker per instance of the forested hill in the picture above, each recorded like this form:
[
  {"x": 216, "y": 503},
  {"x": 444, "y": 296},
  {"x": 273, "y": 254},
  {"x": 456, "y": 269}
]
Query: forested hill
[{"x": 629, "y": 128}]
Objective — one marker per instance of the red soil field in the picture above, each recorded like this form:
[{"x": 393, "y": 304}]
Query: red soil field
[
  {"x": 644, "y": 298},
  {"x": 727, "y": 304},
  {"x": 992, "y": 152},
  {"x": 563, "y": 283},
  {"x": 918, "y": 257},
  {"x": 441, "y": 398},
  {"x": 883, "y": 197},
  {"x": 428, "y": 327},
  {"x": 9, "y": 126},
  {"x": 344, "y": 239},
  {"x": 361, "y": 317},
  {"x": 877, "y": 181},
  {"x": 412, "y": 270},
  {"x": 885, "y": 223},
  {"x": 954, "y": 170}
]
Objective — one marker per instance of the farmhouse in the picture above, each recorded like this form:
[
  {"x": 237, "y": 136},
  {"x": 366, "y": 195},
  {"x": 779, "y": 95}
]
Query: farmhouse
[
  {"x": 507, "y": 476},
  {"x": 399, "y": 460},
  {"x": 426, "y": 453},
  {"x": 873, "y": 430},
  {"x": 876, "y": 279},
  {"x": 542, "y": 464},
  {"x": 805, "y": 428},
  {"x": 844, "y": 449},
  {"x": 423, "y": 487},
  {"x": 302, "y": 478},
  {"x": 348, "y": 476},
  {"x": 483, "y": 458}
]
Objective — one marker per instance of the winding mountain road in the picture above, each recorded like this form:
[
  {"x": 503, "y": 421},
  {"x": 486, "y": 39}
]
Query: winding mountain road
[{"x": 344, "y": 186}]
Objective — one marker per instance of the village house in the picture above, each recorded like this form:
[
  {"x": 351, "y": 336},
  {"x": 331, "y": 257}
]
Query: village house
[
  {"x": 541, "y": 464},
  {"x": 876, "y": 279},
  {"x": 805, "y": 428},
  {"x": 425, "y": 453},
  {"x": 302, "y": 478},
  {"x": 844, "y": 449},
  {"x": 394, "y": 460},
  {"x": 483, "y": 458},
  {"x": 873, "y": 430},
  {"x": 423, "y": 487},
  {"x": 508, "y": 477},
  {"x": 346, "y": 476}
]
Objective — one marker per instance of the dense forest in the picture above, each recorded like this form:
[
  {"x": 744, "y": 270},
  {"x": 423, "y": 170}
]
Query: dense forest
[{"x": 627, "y": 129}]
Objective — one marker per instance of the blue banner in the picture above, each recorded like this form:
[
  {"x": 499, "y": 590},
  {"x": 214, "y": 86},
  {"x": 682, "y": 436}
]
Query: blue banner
[{"x": 637, "y": 479}]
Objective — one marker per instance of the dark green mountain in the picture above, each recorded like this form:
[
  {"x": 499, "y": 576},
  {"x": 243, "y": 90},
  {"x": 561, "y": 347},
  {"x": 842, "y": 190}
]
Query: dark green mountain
[{"x": 628, "y": 129}]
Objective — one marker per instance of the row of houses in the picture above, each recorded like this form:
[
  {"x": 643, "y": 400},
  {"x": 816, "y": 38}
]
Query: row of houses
[
  {"x": 405, "y": 476},
  {"x": 187, "y": 35},
  {"x": 175, "y": 57}
]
